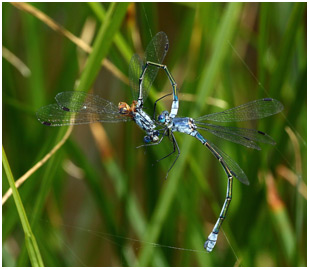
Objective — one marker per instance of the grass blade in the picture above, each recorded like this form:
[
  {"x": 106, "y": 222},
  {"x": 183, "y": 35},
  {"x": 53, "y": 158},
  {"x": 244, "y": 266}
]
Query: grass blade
[
  {"x": 120, "y": 42},
  {"x": 31, "y": 244},
  {"x": 102, "y": 44},
  {"x": 285, "y": 52}
]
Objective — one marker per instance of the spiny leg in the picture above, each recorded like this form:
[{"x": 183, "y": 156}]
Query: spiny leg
[
  {"x": 212, "y": 238},
  {"x": 166, "y": 130},
  {"x": 174, "y": 149},
  {"x": 175, "y": 145},
  {"x": 155, "y": 105}
]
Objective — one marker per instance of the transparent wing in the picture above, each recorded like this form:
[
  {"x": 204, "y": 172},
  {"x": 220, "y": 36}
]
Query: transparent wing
[
  {"x": 155, "y": 52},
  {"x": 257, "y": 109},
  {"x": 135, "y": 71},
  {"x": 53, "y": 115},
  {"x": 242, "y": 136},
  {"x": 232, "y": 165},
  {"x": 74, "y": 108},
  {"x": 77, "y": 101}
]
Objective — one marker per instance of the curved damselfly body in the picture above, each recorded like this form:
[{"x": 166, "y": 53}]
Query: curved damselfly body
[
  {"x": 76, "y": 107},
  {"x": 257, "y": 109}
]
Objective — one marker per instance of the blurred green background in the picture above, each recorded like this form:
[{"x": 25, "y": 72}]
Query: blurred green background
[{"x": 99, "y": 201}]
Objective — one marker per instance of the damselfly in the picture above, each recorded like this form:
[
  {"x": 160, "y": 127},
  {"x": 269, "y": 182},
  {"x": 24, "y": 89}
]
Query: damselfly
[
  {"x": 247, "y": 137},
  {"x": 75, "y": 107}
]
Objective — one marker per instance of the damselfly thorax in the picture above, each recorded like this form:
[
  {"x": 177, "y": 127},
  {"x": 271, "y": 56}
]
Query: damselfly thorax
[{"x": 141, "y": 118}]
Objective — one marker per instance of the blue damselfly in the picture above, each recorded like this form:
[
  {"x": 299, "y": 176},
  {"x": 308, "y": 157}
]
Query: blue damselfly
[{"x": 257, "y": 109}]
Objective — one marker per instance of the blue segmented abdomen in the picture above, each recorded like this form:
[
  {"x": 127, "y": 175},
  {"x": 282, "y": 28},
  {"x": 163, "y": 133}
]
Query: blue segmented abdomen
[{"x": 200, "y": 138}]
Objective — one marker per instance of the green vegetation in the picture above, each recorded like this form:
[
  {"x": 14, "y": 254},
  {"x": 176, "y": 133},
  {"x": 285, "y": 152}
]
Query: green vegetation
[
  {"x": 99, "y": 201},
  {"x": 30, "y": 241}
]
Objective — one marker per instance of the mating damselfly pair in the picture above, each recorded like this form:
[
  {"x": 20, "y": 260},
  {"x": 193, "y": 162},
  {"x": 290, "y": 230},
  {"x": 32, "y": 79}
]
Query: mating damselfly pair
[{"x": 74, "y": 107}]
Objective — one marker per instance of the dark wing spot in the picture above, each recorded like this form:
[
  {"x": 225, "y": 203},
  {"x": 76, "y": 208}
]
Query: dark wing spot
[
  {"x": 46, "y": 123},
  {"x": 166, "y": 46},
  {"x": 65, "y": 108},
  {"x": 267, "y": 99},
  {"x": 260, "y": 132}
]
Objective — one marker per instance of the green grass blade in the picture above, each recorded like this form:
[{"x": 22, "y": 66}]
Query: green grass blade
[
  {"x": 285, "y": 232},
  {"x": 102, "y": 44},
  {"x": 262, "y": 42},
  {"x": 31, "y": 244},
  {"x": 120, "y": 42},
  {"x": 285, "y": 52},
  {"x": 35, "y": 60}
]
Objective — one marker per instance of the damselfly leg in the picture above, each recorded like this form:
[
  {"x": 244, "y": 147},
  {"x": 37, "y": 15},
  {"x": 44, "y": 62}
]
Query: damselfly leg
[
  {"x": 155, "y": 105},
  {"x": 175, "y": 145},
  {"x": 174, "y": 109}
]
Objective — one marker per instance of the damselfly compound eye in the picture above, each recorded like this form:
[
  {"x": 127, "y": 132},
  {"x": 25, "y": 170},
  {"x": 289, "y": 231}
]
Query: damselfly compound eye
[
  {"x": 147, "y": 139},
  {"x": 161, "y": 118},
  {"x": 124, "y": 108}
]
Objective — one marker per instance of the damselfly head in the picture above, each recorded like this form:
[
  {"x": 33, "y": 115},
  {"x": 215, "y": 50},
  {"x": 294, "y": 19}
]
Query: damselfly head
[
  {"x": 124, "y": 108},
  {"x": 163, "y": 116}
]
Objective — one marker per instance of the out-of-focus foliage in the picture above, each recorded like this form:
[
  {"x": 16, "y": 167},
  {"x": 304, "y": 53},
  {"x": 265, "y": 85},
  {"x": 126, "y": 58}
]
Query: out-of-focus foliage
[{"x": 99, "y": 201}]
